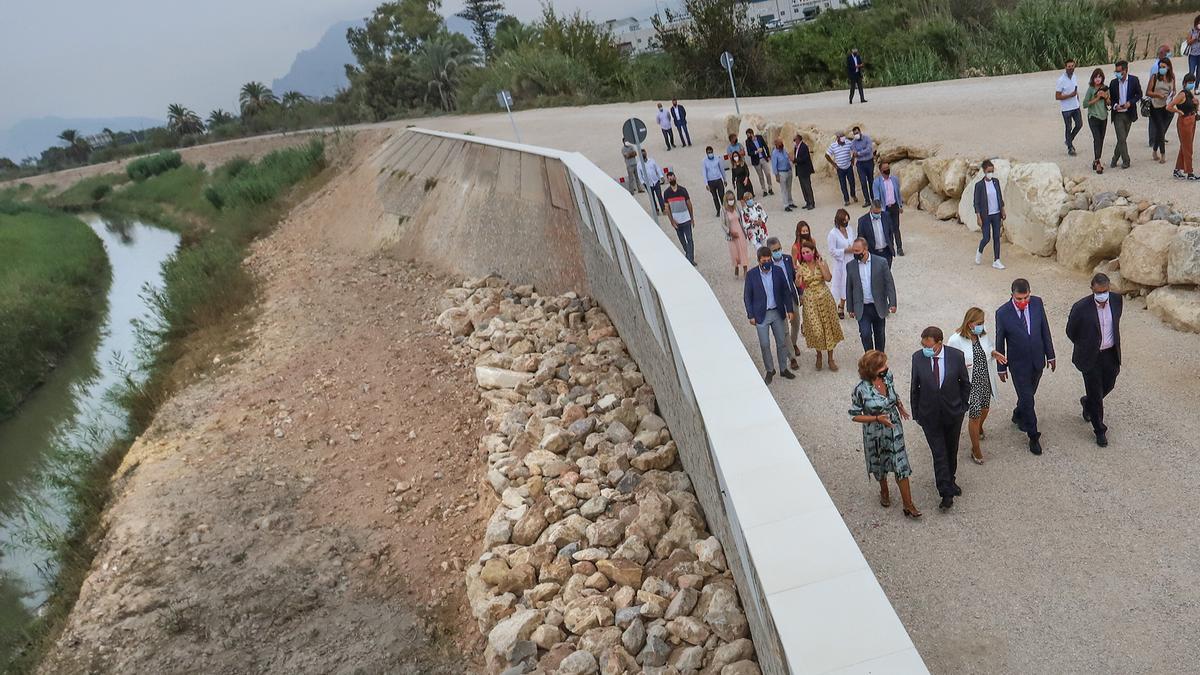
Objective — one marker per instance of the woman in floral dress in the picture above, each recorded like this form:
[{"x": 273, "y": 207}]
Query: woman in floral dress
[
  {"x": 822, "y": 331},
  {"x": 875, "y": 405},
  {"x": 754, "y": 219}
]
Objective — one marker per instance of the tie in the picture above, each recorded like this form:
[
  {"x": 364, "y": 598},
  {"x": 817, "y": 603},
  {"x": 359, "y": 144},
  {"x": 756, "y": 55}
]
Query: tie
[
  {"x": 937, "y": 376},
  {"x": 1021, "y": 313}
]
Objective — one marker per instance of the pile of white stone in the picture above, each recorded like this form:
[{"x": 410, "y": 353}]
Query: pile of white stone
[{"x": 598, "y": 558}]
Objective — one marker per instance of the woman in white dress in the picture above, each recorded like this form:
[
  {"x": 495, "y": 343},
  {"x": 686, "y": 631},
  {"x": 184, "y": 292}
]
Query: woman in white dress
[
  {"x": 971, "y": 339},
  {"x": 754, "y": 219},
  {"x": 840, "y": 238}
]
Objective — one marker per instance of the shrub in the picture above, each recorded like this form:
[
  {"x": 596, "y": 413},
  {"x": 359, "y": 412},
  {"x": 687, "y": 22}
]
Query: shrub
[
  {"x": 101, "y": 191},
  {"x": 252, "y": 184},
  {"x": 145, "y": 167}
]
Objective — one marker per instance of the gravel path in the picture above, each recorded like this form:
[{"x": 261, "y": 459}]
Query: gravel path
[{"x": 1075, "y": 561}]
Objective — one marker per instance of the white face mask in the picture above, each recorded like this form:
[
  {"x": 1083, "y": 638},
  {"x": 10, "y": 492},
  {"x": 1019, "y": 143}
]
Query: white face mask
[
  {"x": 858, "y": 137},
  {"x": 989, "y": 175},
  {"x": 1101, "y": 297}
]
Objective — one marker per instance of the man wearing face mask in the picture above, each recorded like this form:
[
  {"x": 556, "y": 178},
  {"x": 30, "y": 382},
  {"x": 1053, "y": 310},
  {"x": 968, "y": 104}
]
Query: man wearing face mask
[
  {"x": 1066, "y": 92},
  {"x": 714, "y": 177},
  {"x": 781, "y": 165},
  {"x": 768, "y": 299},
  {"x": 760, "y": 158},
  {"x": 788, "y": 265},
  {"x": 875, "y": 228},
  {"x": 862, "y": 151},
  {"x": 1125, "y": 91},
  {"x": 839, "y": 157},
  {"x": 939, "y": 392},
  {"x": 679, "y": 212},
  {"x": 869, "y": 288},
  {"x": 651, "y": 176},
  {"x": 1094, "y": 328},
  {"x": 887, "y": 190},
  {"x": 854, "y": 70},
  {"x": 664, "y": 123},
  {"x": 802, "y": 158},
  {"x": 1023, "y": 338}
]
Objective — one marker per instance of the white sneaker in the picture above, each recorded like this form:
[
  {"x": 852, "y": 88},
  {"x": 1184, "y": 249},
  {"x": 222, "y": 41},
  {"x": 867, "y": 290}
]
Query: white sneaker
[
  {"x": 978, "y": 258},
  {"x": 998, "y": 265}
]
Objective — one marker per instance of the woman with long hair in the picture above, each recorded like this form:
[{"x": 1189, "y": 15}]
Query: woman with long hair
[
  {"x": 839, "y": 241},
  {"x": 875, "y": 405},
  {"x": 803, "y": 233},
  {"x": 735, "y": 235},
  {"x": 739, "y": 173},
  {"x": 1160, "y": 91},
  {"x": 821, "y": 331},
  {"x": 1184, "y": 106},
  {"x": 754, "y": 220},
  {"x": 981, "y": 356},
  {"x": 1096, "y": 101}
]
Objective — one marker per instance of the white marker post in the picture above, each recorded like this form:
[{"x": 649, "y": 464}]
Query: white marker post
[
  {"x": 727, "y": 64},
  {"x": 634, "y": 132},
  {"x": 504, "y": 98}
]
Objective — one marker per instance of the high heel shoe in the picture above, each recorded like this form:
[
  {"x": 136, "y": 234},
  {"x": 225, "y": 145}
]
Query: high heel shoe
[
  {"x": 912, "y": 513},
  {"x": 979, "y": 459}
]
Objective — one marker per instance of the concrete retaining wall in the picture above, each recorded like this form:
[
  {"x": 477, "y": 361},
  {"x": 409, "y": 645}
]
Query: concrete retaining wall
[{"x": 477, "y": 206}]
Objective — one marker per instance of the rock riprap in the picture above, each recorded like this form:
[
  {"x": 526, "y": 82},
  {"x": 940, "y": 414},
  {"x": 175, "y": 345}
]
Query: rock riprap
[{"x": 597, "y": 558}]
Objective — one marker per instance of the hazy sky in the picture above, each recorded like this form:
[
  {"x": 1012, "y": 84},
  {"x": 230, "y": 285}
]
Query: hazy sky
[{"x": 83, "y": 58}]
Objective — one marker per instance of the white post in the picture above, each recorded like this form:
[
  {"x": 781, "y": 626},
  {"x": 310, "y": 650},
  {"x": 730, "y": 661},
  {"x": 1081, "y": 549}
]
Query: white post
[{"x": 510, "y": 118}]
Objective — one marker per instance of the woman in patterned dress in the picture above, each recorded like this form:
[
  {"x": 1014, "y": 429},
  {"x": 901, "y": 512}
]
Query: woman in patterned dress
[
  {"x": 754, "y": 219},
  {"x": 971, "y": 339},
  {"x": 875, "y": 405},
  {"x": 822, "y": 331}
]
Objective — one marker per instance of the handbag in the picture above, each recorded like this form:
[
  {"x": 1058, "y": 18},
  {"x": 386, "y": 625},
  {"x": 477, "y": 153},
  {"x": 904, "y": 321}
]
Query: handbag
[{"x": 1146, "y": 107}]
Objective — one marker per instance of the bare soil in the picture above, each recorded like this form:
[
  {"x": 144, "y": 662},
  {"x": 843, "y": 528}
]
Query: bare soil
[{"x": 307, "y": 504}]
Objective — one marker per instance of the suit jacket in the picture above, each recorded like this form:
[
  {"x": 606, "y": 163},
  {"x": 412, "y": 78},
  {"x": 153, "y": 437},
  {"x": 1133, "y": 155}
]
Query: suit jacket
[
  {"x": 931, "y": 402},
  {"x": 1133, "y": 96},
  {"x": 754, "y": 294},
  {"x": 789, "y": 268},
  {"x": 678, "y": 114},
  {"x": 981, "y": 203},
  {"x": 1027, "y": 351},
  {"x": 803, "y": 160},
  {"x": 878, "y": 191},
  {"x": 883, "y": 288},
  {"x": 851, "y": 71},
  {"x": 865, "y": 230},
  {"x": 1083, "y": 330},
  {"x": 754, "y": 146}
]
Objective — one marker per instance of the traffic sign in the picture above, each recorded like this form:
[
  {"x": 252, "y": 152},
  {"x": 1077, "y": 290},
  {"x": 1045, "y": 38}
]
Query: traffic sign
[
  {"x": 634, "y": 131},
  {"x": 504, "y": 98},
  {"x": 727, "y": 61}
]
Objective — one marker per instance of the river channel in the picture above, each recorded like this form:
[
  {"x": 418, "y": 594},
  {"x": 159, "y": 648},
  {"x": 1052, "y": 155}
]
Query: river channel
[{"x": 72, "y": 409}]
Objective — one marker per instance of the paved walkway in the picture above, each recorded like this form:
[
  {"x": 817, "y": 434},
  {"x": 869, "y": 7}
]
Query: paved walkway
[{"x": 1077, "y": 561}]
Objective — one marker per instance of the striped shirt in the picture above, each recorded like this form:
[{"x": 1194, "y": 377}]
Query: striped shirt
[
  {"x": 840, "y": 154},
  {"x": 677, "y": 201}
]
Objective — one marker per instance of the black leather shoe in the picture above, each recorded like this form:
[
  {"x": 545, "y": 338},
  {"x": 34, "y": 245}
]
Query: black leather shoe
[
  {"x": 1102, "y": 439},
  {"x": 947, "y": 502},
  {"x": 900, "y": 251},
  {"x": 957, "y": 491},
  {"x": 1083, "y": 404},
  {"x": 769, "y": 376},
  {"x": 1035, "y": 446},
  {"x": 789, "y": 375}
]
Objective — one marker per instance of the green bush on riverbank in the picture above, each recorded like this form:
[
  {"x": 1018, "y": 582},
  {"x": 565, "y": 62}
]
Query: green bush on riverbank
[{"x": 52, "y": 285}]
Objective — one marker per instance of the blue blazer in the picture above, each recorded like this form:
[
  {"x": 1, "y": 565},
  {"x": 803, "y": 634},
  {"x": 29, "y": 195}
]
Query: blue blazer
[
  {"x": 1027, "y": 352},
  {"x": 980, "y": 197},
  {"x": 755, "y": 295},
  {"x": 866, "y": 231}
]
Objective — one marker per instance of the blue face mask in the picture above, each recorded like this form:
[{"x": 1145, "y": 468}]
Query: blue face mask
[
  {"x": 776, "y": 255},
  {"x": 978, "y": 330},
  {"x": 1190, "y": 86},
  {"x": 749, "y": 202},
  {"x": 928, "y": 352},
  {"x": 765, "y": 266}
]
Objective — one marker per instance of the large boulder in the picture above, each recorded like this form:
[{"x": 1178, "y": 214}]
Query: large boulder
[
  {"x": 954, "y": 178},
  {"x": 1144, "y": 253},
  {"x": 1183, "y": 257},
  {"x": 1117, "y": 282},
  {"x": 896, "y": 153},
  {"x": 930, "y": 198},
  {"x": 725, "y": 125},
  {"x": 1033, "y": 200},
  {"x": 753, "y": 121},
  {"x": 912, "y": 178},
  {"x": 787, "y": 132},
  {"x": 1177, "y": 306},
  {"x": 947, "y": 210},
  {"x": 966, "y": 201},
  {"x": 1085, "y": 238},
  {"x": 934, "y": 168}
]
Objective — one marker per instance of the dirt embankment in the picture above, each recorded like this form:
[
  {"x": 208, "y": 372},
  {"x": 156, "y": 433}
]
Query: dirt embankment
[{"x": 308, "y": 504}]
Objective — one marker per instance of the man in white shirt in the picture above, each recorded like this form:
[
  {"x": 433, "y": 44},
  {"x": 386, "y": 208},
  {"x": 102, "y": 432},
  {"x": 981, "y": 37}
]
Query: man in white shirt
[
  {"x": 664, "y": 123},
  {"x": 1125, "y": 91},
  {"x": 651, "y": 176},
  {"x": 839, "y": 155},
  {"x": 869, "y": 289},
  {"x": 1066, "y": 92},
  {"x": 1094, "y": 328}
]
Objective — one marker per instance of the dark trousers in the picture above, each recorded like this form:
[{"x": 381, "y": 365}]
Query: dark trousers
[
  {"x": 1194, "y": 65},
  {"x": 806, "y": 188},
  {"x": 684, "y": 137},
  {"x": 871, "y": 327},
  {"x": 893, "y": 212},
  {"x": 942, "y": 434},
  {"x": 1160, "y": 121},
  {"x": 1121, "y": 123},
  {"x": 656, "y": 193},
  {"x": 1098, "y": 127},
  {"x": 856, "y": 82},
  {"x": 991, "y": 231},
  {"x": 866, "y": 175},
  {"x": 1098, "y": 381},
  {"x": 669, "y": 138},
  {"x": 846, "y": 182},
  {"x": 1026, "y": 383},
  {"x": 684, "y": 232},
  {"x": 1072, "y": 122},
  {"x": 716, "y": 188}
]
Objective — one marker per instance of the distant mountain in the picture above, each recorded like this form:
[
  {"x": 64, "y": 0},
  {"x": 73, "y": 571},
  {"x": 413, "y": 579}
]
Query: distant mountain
[
  {"x": 29, "y": 137},
  {"x": 320, "y": 71}
]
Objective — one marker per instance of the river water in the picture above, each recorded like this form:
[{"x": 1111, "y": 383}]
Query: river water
[{"x": 72, "y": 409}]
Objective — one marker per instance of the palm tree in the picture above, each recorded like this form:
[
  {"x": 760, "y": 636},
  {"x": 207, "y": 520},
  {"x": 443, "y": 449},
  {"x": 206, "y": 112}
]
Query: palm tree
[
  {"x": 218, "y": 117},
  {"x": 183, "y": 120},
  {"x": 110, "y": 135},
  {"x": 77, "y": 148},
  {"x": 293, "y": 99},
  {"x": 255, "y": 97},
  {"x": 439, "y": 63},
  {"x": 511, "y": 35}
]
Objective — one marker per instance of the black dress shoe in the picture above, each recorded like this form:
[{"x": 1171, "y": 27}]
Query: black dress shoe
[
  {"x": 1087, "y": 417},
  {"x": 947, "y": 502},
  {"x": 957, "y": 491},
  {"x": 769, "y": 376},
  {"x": 1016, "y": 418},
  {"x": 1035, "y": 446},
  {"x": 900, "y": 251},
  {"x": 1102, "y": 440},
  {"x": 788, "y": 375}
]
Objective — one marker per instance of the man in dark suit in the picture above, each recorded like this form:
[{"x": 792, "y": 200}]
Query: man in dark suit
[
  {"x": 1125, "y": 91},
  {"x": 679, "y": 117},
  {"x": 939, "y": 393},
  {"x": 869, "y": 288},
  {"x": 854, "y": 71},
  {"x": 769, "y": 306},
  {"x": 802, "y": 158},
  {"x": 1094, "y": 327},
  {"x": 1023, "y": 340},
  {"x": 875, "y": 227},
  {"x": 781, "y": 259}
]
